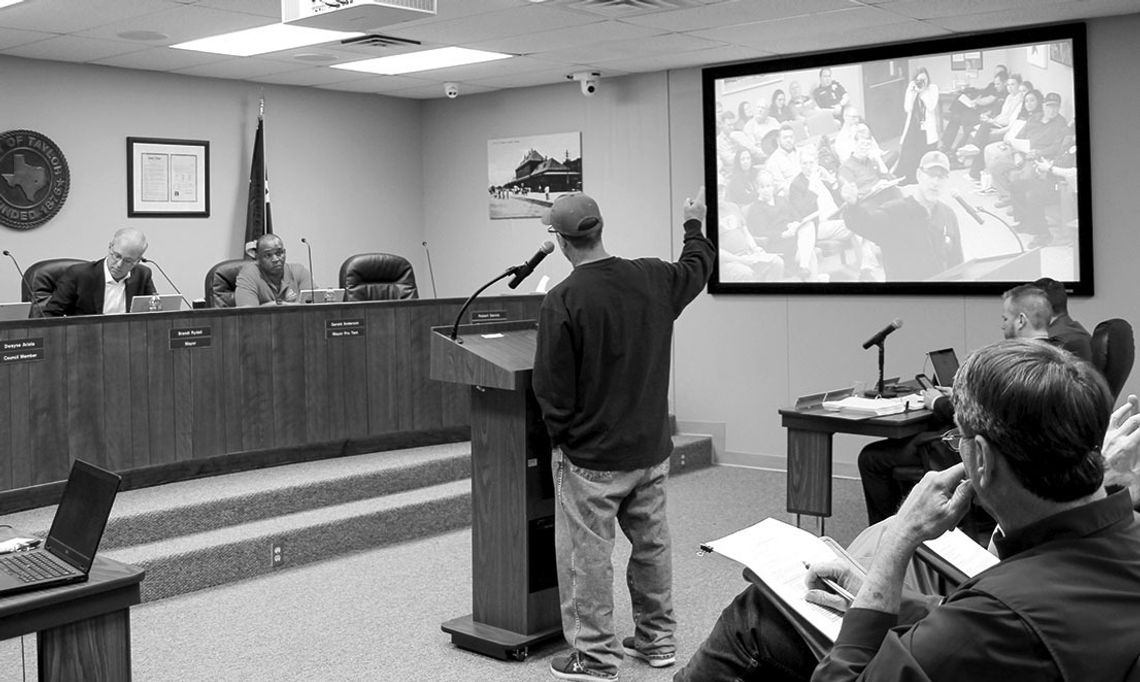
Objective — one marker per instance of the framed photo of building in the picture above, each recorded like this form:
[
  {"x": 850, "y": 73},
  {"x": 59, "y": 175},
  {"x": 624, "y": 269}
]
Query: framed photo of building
[{"x": 526, "y": 174}]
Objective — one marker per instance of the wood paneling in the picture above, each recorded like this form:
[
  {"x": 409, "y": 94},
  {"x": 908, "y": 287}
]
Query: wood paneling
[{"x": 113, "y": 391}]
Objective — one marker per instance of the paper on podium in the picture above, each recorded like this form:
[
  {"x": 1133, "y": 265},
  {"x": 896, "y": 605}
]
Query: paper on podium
[{"x": 775, "y": 552}]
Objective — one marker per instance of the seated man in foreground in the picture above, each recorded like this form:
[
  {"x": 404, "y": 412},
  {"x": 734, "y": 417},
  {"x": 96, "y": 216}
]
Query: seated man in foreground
[
  {"x": 1063, "y": 603},
  {"x": 269, "y": 280}
]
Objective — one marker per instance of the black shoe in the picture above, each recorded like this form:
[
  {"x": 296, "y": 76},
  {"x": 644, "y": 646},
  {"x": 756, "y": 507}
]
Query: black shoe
[
  {"x": 571, "y": 668},
  {"x": 655, "y": 659}
]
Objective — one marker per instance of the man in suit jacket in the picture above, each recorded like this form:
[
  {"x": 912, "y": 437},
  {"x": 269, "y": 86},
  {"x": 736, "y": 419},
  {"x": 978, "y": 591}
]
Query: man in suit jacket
[{"x": 105, "y": 286}]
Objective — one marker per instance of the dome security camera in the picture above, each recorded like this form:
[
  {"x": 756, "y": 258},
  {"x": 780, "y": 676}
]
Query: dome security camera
[
  {"x": 588, "y": 80},
  {"x": 451, "y": 90}
]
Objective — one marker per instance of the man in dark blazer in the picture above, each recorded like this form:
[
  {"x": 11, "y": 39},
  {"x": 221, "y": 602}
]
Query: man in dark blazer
[{"x": 105, "y": 286}]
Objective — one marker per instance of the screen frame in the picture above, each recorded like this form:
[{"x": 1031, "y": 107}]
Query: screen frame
[{"x": 1076, "y": 32}]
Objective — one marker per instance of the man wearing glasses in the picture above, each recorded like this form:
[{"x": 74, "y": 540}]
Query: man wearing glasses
[
  {"x": 105, "y": 286},
  {"x": 1063, "y": 602},
  {"x": 269, "y": 280}
]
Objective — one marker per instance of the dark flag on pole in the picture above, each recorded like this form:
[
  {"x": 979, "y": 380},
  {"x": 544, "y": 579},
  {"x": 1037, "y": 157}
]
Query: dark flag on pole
[{"x": 258, "y": 219}]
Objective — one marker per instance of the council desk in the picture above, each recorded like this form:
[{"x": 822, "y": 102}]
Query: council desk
[{"x": 156, "y": 393}]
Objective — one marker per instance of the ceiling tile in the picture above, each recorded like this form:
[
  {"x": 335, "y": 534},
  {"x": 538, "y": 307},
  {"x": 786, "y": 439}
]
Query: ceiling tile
[
  {"x": 734, "y": 13},
  {"x": 571, "y": 36},
  {"x": 160, "y": 59},
  {"x": 68, "y": 16},
  {"x": 685, "y": 60},
  {"x": 242, "y": 69},
  {"x": 13, "y": 37},
  {"x": 74, "y": 49},
  {"x": 1037, "y": 14},
  {"x": 664, "y": 43},
  {"x": 181, "y": 23},
  {"x": 519, "y": 21}
]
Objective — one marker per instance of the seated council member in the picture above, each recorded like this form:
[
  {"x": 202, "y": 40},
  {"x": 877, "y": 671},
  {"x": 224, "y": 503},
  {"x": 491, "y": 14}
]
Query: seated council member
[
  {"x": 1062, "y": 604},
  {"x": 269, "y": 280},
  {"x": 105, "y": 286},
  {"x": 1064, "y": 330}
]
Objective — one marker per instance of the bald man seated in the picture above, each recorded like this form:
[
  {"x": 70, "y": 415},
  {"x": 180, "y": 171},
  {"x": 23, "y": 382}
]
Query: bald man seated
[
  {"x": 105, "y": 286},
  {"x": 269, "y": 280}
]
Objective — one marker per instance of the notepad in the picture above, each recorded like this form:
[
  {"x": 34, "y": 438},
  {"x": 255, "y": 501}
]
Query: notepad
[{"x": 874, "y": 407}]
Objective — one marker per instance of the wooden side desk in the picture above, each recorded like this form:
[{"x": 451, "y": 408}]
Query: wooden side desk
[
  {"x": 83, "y": 630},
  {"x": 810, "y": 451}
]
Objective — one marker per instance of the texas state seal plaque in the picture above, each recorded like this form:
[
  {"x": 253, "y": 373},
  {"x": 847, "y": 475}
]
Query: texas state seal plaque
[{"x": 34, "y": 179}]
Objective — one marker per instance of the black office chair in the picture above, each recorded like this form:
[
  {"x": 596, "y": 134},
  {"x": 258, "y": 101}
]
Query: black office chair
[
  {"x": 43, "y": 277},
  {"x": 1114, "y": 351},
  {"x": 221, "y": 280},
  {"x": 377, "y": 277}
]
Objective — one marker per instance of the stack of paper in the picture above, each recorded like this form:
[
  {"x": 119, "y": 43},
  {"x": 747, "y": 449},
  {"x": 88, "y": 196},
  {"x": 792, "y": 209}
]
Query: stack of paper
[{"x": 875, "y": 407}]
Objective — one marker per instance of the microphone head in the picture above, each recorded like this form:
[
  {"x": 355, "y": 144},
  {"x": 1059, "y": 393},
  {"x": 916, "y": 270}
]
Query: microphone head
[
  {"x": 304, "y": 241},
  {"x": 142, "y": 259},
  {"x": 7, "y": 252},
  {"x": 547, "y": 248},
  {"x": 897, "y": 322}
]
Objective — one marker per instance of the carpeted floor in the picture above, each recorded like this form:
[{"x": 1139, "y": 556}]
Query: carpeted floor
[{"x": 375, "y": 615}]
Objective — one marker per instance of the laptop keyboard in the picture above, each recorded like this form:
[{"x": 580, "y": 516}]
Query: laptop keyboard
[{"x": 32, "y": 566}]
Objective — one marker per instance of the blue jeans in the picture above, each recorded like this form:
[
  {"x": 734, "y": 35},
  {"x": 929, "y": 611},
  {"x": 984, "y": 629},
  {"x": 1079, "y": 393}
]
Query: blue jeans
[{"x": 587, "y": 503}]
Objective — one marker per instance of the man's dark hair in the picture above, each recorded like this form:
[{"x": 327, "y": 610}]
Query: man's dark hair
[
  {"x": 1043, "y": 409},
  {"x": 584, "y": 241},
  {"x": 1055, "y": 292}
]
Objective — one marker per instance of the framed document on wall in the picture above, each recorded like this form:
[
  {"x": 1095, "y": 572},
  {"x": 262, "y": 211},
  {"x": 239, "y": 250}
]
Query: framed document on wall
[{"x": 168, "y": 178}]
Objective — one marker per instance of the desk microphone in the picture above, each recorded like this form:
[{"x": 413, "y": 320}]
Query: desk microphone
[
  {"x": 31, "y": 294},
  {"x": 312, "y": 275},
  {"x": 431, "y": 272},
  {"x": 521, "y": 271},
  {"x": 882, "y": 334},
  {"x": 168, "y": 281},
  {"x": 969, "y": 209}
]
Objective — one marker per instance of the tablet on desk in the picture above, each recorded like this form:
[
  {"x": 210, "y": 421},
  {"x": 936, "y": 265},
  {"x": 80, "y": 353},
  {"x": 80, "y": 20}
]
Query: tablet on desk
[
  {"x": 322, "y": 295},
  {"x": 944, "y": 365},
  {"x": 156, "y": 303}
]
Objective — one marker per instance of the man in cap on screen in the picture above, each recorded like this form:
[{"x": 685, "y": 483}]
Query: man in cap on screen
[
  {"x": 918, "y": 234},
  {"x": 601, "y": 377}
]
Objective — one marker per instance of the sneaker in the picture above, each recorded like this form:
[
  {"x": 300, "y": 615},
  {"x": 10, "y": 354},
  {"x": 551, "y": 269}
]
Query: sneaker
[
  {"x": 655, "y": 660},
  {"x": 570, "y": 668}
]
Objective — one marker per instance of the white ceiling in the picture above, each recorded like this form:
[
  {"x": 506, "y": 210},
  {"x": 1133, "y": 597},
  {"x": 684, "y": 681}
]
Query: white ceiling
[{"x": 551, "y": 39}]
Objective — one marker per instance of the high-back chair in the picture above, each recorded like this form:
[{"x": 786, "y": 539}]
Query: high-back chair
[
  {"x": 43, "y": 277},
  {"x": 1114, "y": 351},
  {"x": 221, "y": 281},
  {"x": 377, "y": 277}
]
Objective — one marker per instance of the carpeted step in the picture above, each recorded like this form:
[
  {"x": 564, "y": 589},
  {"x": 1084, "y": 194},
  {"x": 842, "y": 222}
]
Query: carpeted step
[{"x": 192, "y": 562}]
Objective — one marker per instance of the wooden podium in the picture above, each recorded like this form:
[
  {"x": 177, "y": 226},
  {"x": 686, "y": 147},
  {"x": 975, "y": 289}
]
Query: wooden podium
[{"x": 514, "y": 578}]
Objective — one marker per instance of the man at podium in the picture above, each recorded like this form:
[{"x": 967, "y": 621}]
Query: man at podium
[{"x": 601, "y": 376}]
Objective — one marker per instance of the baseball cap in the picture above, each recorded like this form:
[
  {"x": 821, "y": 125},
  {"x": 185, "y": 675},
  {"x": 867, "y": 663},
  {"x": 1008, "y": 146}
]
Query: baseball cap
[
  {"x": 1053, "y": 97},
  {"x": 934, "y": 159},
  {"x": 573, "y": 215}
]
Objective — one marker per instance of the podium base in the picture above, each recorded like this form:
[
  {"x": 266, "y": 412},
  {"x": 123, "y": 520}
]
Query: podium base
[{"x": 492, "y": 641}]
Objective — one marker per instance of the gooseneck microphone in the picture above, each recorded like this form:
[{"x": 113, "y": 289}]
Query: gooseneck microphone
[
  {"x": 882, "y": 334},
  {"x": 543, "y": 250},
  {"x": 168, "y": 281},
  {"x": 24, "y": 279},
  {"x": 973, "y": 212},
  {"x": 312, "y": 275},
  {"x": 528, "y": 267},
  {"x": 431, "y": 273}
]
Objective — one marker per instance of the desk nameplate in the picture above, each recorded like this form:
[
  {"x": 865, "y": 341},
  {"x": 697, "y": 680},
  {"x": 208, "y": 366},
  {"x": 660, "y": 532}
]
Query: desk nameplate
[
  {"x": 344, "y": 329},
  {"x": 22, "y": 350}
]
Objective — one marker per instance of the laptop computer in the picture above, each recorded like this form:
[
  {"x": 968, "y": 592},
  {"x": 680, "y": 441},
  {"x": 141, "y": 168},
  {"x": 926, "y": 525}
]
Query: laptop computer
[
  {"x": 156, "y": 303},
  {"x": 943, "y": 365},
  {"x": 322, "y": 295},
  {"x": 67, "y": 554},
  {"x": 15, "y": 311}
]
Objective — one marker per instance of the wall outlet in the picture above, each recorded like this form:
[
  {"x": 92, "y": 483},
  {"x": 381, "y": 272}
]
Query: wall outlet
[{"x": 277, "y": 554}]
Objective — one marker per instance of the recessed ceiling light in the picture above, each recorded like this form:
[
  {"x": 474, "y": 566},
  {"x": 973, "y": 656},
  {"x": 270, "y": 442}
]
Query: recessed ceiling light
[
  {"x": 143, "y": 35},
  {"x": 272, "y": 38},
  {"x": 9, "y": 3},
  {"x": 422, "y": 61}
]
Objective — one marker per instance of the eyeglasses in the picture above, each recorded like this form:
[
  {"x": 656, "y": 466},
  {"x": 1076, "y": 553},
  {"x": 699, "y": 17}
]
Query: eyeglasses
[
  {"x": 130, "y": 262},
  {"x": 953, "y": 439}
]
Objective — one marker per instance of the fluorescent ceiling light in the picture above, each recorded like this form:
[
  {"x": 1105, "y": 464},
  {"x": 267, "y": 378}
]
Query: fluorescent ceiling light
[
  {"x": 422, "y": 61},
  {"x": 272, "y": 38},
  {"x": 9, "y": 3}
]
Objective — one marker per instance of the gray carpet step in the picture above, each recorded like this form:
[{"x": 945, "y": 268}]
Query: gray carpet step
[{"x": 197, "y": 534}]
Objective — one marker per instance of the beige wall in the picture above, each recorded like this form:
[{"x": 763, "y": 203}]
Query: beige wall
[
  {"x": 740, "y": 358},
  {"x": 344, "y": 169},
  {"x": 359, "y": 173}
]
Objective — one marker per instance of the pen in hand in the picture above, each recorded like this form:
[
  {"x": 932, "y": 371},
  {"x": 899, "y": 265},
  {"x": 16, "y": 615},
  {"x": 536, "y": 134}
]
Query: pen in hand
[{"x": 834, "y": 587}]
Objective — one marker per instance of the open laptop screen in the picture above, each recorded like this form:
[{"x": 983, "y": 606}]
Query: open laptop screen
[
  {"x": 944, "y": 364},
  {"x": 82, "y": 515}
]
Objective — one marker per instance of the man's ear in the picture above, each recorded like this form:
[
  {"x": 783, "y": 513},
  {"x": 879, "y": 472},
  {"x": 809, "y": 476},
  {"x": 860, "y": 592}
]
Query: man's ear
[{"x": 985, "y": 462}]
